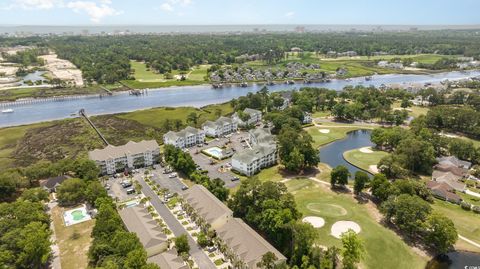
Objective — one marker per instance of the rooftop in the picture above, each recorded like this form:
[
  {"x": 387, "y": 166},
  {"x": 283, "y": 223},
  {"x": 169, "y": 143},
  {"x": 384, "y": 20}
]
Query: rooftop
[
  {"x": 454, "y": 161},
  {"x": 245, "y": 242},
  {"x": 131, "y": 148},
  {"x": 139, "y": 221},
  {"x": 257, "y": 152},
  {"x": 188, "y": 131},
  {"x": 205, "y": 203},
  {"x": 168, "y": 260}
]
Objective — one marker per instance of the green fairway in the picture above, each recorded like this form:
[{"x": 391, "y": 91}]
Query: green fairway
[
  {"x": 143, "y": 74},
  {"x": 364, "y": 160},
  {"x": 384, "y": 249},
  {"x": 414, "y": 111},
  {"x": 329, "y": 132}
]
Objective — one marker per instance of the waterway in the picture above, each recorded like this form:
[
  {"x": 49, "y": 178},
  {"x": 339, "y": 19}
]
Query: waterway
[
  {"x": 197, "y": 96},
  {"x": 456, "y": 260},
  {"x": 332, "y": 154}
]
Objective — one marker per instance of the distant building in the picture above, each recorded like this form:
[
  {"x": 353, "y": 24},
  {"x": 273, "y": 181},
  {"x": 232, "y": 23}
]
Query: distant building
[
  {"x": 255, "y": 116},
  {"x": 131, "y": 155},
  {"x": 246, "y": 244},
  {"x": 262, "y": 154},
  {"x": 443, "y": 191},
  {"x": 450, "y": 170},
  {"x": 221, "y": 127},
  {"x": 185, "y": 138},
  {"x": 452, "y": 160},
  {"x": 51, "y": 184},
  {"x": 307, "y": 118}
]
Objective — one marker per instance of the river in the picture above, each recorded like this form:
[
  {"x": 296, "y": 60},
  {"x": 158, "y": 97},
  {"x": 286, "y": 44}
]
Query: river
[
  {"x": 332, "y": 154},
  {"x": 187, "y": 96}
]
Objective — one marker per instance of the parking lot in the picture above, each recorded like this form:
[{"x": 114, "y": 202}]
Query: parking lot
[
  {"x": 220, "y": 168},
  {"x": 117, "y": 191}
]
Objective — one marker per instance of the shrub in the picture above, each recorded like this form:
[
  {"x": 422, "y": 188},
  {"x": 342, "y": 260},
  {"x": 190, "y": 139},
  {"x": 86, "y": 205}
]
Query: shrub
[
  {"x": 465, "y": 205},
  {"x": 476, "y": 209}
]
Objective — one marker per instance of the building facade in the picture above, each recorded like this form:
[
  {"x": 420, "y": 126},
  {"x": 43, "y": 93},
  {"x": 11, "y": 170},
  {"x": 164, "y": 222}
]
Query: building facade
[
  {"x": 185, "y": 138},
  {"x": 262, "y": 154},
  {"x": 113, "y": 159},
  {"x": 221, "y": 127}
]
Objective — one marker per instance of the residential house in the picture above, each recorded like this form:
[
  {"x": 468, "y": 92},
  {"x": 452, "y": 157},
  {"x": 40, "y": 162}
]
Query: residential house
[
  {"x": 131, "y": 155},
  {"x": 452, "y": 160},
  {"x": 51, "y": 184},
  {"x": 443, "y": 191},
  {"x": 255, "y": 116},
  {"x": 208, "y": 206},
  {"x": 221, "y": 127},
  {"x": 243, "y": 241},
  {"x": 169, "y": 260},
  {"x": 307, "y": 118},
  {"x": 185, "y": 138},
  {"x": 137, "y": 220}
]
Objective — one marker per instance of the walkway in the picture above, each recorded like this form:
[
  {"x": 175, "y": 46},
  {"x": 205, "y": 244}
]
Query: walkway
[
  {"x": 469, "y": 241},
  {"x": 472, "y": 193},
  {"x": 196, "y": 252},
  {"x": 55, "y": 262},
  {"x": 84, "y": 114}
]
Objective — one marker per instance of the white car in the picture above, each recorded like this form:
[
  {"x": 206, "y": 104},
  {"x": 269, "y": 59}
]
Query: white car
[{"x": 172, "y": 175}]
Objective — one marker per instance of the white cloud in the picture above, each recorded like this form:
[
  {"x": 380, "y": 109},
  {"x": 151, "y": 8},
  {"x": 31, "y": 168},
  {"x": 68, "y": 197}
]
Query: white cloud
[
  {"x": 172, "y": 5},
  {"x": 289, "y": 14},
  {"x": 34, "y": 4},
  {"x": 166, "y": 7},
  {"x": 95, "y": 11}
]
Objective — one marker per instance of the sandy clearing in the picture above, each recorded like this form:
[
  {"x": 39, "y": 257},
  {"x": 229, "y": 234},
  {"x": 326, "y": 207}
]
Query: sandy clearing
[
  {"x": 324, "y": 131},
  {"x": 317, "y": 222},
  {"x": 339, "y": 227},
  {"x": 366, "y": 150},
  {"x": 373, "y": 168}
]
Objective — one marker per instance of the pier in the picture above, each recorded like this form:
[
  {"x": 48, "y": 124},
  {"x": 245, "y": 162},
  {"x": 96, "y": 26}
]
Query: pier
[{"x": 84, "y": 114}]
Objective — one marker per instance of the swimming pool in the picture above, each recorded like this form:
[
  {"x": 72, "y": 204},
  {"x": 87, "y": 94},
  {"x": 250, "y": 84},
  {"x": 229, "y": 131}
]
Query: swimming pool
[
  {"x": 215, "y": 152},
  {"x": 76, "y": 215}
]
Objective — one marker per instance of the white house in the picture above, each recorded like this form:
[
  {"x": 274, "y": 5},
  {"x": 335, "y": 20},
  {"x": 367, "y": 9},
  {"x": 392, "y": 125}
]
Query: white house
[
  {"x": 307, "y": 118},
  {"x": 185, "y": 138},
  {"x": 255, "y": 117},
  {"x": 131, "y": 155},
  {"x": 222, "y": 126}
]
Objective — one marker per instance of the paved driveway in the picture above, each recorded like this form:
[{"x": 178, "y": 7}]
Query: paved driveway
[{"x": 196, "y": 252}]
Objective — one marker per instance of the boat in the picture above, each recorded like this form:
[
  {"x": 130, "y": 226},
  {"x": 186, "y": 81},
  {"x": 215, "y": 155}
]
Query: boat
[
  {"x": 7, "y": 110},
  {"x": 368, "y": 78},
  {"x": 243, "y": 84}
]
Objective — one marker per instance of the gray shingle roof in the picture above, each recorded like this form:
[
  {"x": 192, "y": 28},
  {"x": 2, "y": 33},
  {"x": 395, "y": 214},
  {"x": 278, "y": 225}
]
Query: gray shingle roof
[
  {"x": 454, "y": 161},
  {"x": 257, "y": 152},
  {"x": 245, "y": 242},
  {"x": 131, "y": 148},
  {"x": 168, "y": 260},
  {"x": 205, "y": 203}
]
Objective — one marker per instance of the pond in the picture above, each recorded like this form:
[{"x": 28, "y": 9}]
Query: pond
[
  {"x": 455, "y": 260},
  {"x": 33, "y": 77},
  {"x": 332, "y": 154}
]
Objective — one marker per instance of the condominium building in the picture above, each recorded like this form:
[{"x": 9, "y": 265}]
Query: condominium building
[
  {"x": 255, "y": 116},
  {"x": 185, "y": 138},
  {"x": 262, "y": 154},
  {"x": 222, "y": 126},
  {"x": 131, "y": 155}
]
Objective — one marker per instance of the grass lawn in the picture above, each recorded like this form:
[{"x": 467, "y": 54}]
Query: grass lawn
[
  {"x": 384, "y": 249},
  {"x": 73, "y": 252},
  {"x": 413, "y": 111},
  {"x": 143, "y": 74},
  {"x": 466, "y": 222},
  {"x": 157, "y": 116},
  {"x": 364, "y": 160}
]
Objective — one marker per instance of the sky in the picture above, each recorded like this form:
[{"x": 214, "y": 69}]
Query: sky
[{"x": 226, "y": 12}]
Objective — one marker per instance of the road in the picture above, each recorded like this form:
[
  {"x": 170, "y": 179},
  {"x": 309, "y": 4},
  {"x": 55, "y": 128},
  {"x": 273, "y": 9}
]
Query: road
[{"x": 196, "y": 252}]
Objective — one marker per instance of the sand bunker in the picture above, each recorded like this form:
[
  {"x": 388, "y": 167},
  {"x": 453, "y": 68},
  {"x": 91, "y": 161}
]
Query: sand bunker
[
  {"x": 339, "y": 227},
  {"x": 324, "y": 131},
  {"x": 373, "y": 169},
  {"x": 316, "y": 222},
  {"x": 366, "y": 150}
]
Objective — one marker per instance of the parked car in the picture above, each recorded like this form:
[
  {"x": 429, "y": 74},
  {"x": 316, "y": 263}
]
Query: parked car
[
  {"x": 211, "y": 249},
  {"x": 107, "y": 186},
  {"x": 184, "y": 188},
  {"x": 235, "y": 179},
  {"x": 130, "y": 191},
  {"x": 126, "y": 184},
  {"x": 172, "y": 175}
]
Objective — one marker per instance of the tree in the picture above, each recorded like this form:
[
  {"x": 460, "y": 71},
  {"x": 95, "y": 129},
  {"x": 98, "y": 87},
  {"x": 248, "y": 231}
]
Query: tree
[
  {"x": 192, "y": 118},
  {"x": 352, "y": 249},
  {"x": 181, "y": 243},
  {"x": 441, "y": 232},
  {"x": 71, "y": 191},
  {"x": 303, "y": 235},
  {"x": 93, "y": 191},
  {"x": 34, "y": 195},
  {"x": 416, "y": 155},
  {"x": 405, "y": 103},
  {"x": 361, "y": 179},
  {"x": 34, "y": 245},
  {"x": 268, "y": 261},
  {"x": 381, "y": 187},
  {"x": 203, "y": 240},
  {"x": 339, "y": 175},
  {"x": 407, "y": 212},
  {"x": 136, "y": 259}
]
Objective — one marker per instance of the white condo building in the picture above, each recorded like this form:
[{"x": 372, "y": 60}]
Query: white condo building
[
  {"x": 262, "y": 154},
  {"x": 222, "y": 126},
  {"x": 185, "y": 138},
  {"x": 131, "y": 155},
  {"x": 255, "y": 117}
]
